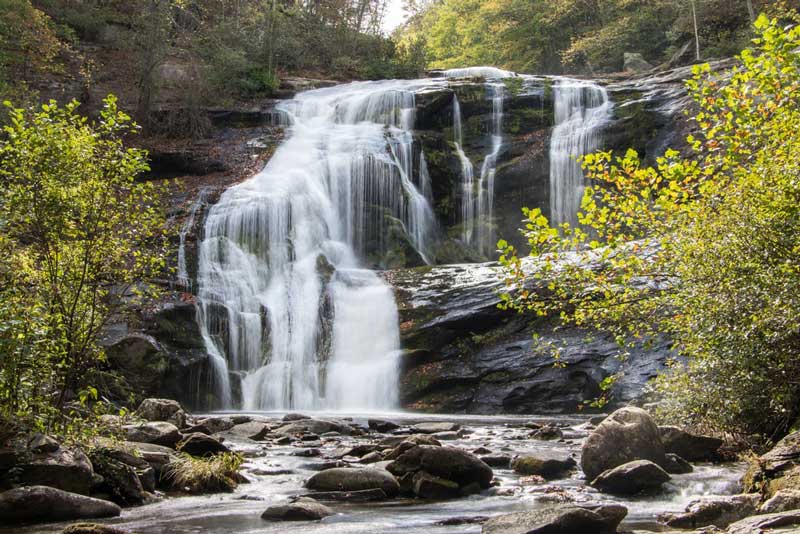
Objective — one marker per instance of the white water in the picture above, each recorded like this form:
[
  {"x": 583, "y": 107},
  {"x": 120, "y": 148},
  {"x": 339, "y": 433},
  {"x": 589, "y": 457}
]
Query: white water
[
  {"x": 182, "y": 276},
  {"x": 479, "y": 72},
  {"x": 285, "y": 302},
  {"x": 582, "y": 109},
  {"x": 477, "y": 205}
]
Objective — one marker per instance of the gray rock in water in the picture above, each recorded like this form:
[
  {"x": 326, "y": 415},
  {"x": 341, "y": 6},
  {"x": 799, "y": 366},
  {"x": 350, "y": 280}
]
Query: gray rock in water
[
  {"x": 381, "y": 425},
  {"x": 162, "y": 410},
  {"x": 764, "y": 524},
  {"x": 427, "y": 486},
  {"x": 562, "y": 519},
  {"x": 783, "y": 501},
  {"x": 548, "y": 468},
  {"x": 626, "y": 435},
  {"x": 303, "y": 509},
  {"x": 676, "y": 465},
  {"x": 716, "y": 511},
  {"x": 631, "y": 478},
  {"x": 250, "y": 430},
  {"x": 156, "y": 432},
  {"x": 198, "y": 444},
  {"x": 352, "y": 479},
  {"x": 435, "y": 428},
  {"x": 635, "y": 62},
  {"x": 42, "y": 504},
  {"x": 690, "y": 447},
  {"x": 314, "y": 426},
  {"x": 449, "y": 463},
  {"x": 217, "y": 424}
]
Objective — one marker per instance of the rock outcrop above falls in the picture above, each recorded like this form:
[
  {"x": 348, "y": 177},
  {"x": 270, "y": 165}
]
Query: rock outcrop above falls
[{"x": 463, "y": 354}]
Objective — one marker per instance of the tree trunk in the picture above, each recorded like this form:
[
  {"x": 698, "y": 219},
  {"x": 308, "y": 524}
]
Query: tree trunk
[
  {"x": 696, "y": 31},
  {"x": 751, "y": 11}
]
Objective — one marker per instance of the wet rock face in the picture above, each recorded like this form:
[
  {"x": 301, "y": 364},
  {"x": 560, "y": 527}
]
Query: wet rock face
[
  {"x": 558, "y": 519},
  {"x": 464, "y": 355},
  {"x": 65, "y": 468},
  {"x": 349, "y": 479},
  {"x": 631, "y": 478}
]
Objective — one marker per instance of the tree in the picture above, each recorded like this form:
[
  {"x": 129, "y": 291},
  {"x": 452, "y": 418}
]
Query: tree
[
  {"x": 703, "y": 248},
  {"x": 79, "y": 233}
]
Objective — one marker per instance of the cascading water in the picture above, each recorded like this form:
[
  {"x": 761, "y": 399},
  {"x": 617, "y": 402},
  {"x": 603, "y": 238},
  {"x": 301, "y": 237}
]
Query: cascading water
[
  {"x": 582, "y": 109},
  {"x": 284, "y": 300},
  {"x": 467, "y": 177},
  {"x": 182, "y": 276},
  {"x": 477, "y": 209}
]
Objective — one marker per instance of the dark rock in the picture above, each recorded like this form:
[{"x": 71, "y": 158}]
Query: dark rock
[
  {"x": 302, "y": 509},
  {"x": 157, "y": 433},
  {"x": 42, "y": 504},
  {"x": 120, "y": 481},
  {"x": 307, "y": 453},
  {"x": 43, "y": 444},
  {"x": 631, "y": 478},
  {"x": 381, "y": 425},
  {"x": 548, "y": 468},
  {"x": 349, "y": 479},
  {"x": 717, "y": 511},
  {"x": 444, "y": 462},
  {"x": 370, "y": 495},
  {"x": 416, "y": 439},
  {"x": 627, "y": 434},
  {"x": 157, "y": 456},
  {"x": 201, "y": 445},
  {"x": 457, "y": 521},
  {"x": 676, "y": 465},
  {"x": 250, "y": 430},
  {"x": 547, "y": 433},
  {"x": 563, "y": 519},
  {"x": 690, "y": 447},
  {"x": 68, "y": 469},
  {"x": 289, "y": 417},
  {"x": 427, "y": 486},
  {"x": 216, "y": 425},
  {"x": 162, "y": 410},
  {"x": 371, "y": 458},
  {"x": 141, "y": 359},
  {"x": 502, "y": 461}
]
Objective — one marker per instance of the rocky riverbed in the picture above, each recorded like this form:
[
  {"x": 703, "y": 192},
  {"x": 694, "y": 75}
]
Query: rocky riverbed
[{"x": 535, "y": 467}]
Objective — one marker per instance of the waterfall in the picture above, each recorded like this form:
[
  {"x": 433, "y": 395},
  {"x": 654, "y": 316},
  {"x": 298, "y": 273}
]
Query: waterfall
[
  {"x": 477, "y": 205},
  {"x": 582, "y": 109},
  {"x": 284, "y": 301},
  {"x": 182, "y": 276},
  {"x": 467, "y": 177},
  {"x": 479, "y": 72}
]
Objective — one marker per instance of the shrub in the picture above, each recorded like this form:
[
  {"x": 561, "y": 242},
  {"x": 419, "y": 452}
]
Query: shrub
[{"x": 204, "y": 475}]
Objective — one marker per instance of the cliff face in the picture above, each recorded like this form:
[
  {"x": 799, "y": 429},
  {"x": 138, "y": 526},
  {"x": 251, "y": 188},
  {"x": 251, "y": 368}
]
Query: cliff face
[{"x": 461, "y": 354}]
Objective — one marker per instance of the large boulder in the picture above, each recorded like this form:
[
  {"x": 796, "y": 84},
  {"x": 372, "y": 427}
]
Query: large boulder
[
  {"x": 635, "y": 62},
  {"x": 42, "y": 504},
  {"x": 562, "y": 519},
  {"x": 449, "y": 463},
  {"x": 119, "y": 480},
  {"x": 626, "y": 435},
  {"x": 631, "y": 478},
  {"x": 435, "y": 427},
  {"x": 548, "y": 468},
  {"x": 690, "y": 447},
  {"x": 156, "y": 432},
  {"x": 352, "y": 479},
  {"x": 780, "y": 523},
  {"x": 303, "y": 509},
  {"x": 162, "y": 410},
  {"x": 717, "y": 511},
  {"x": 141, "y": 360},
  {"x": 156, "y": 456},
  {"x": 427, "y": 486},
  {"x": 65, "y": 468},
  {"x": 782, "y": 501},
  {"x": 198, "y": 444},
  {"x": 776, "y": 470},
  {"x": 250, "y": 430}
]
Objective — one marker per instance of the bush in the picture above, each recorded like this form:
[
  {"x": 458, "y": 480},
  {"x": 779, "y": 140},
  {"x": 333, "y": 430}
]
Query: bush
[{"x": 705, "y": 249}]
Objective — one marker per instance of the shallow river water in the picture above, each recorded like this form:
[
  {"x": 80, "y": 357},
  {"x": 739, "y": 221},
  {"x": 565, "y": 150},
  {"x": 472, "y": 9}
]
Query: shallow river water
[{"x": 239, "y": 512}]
